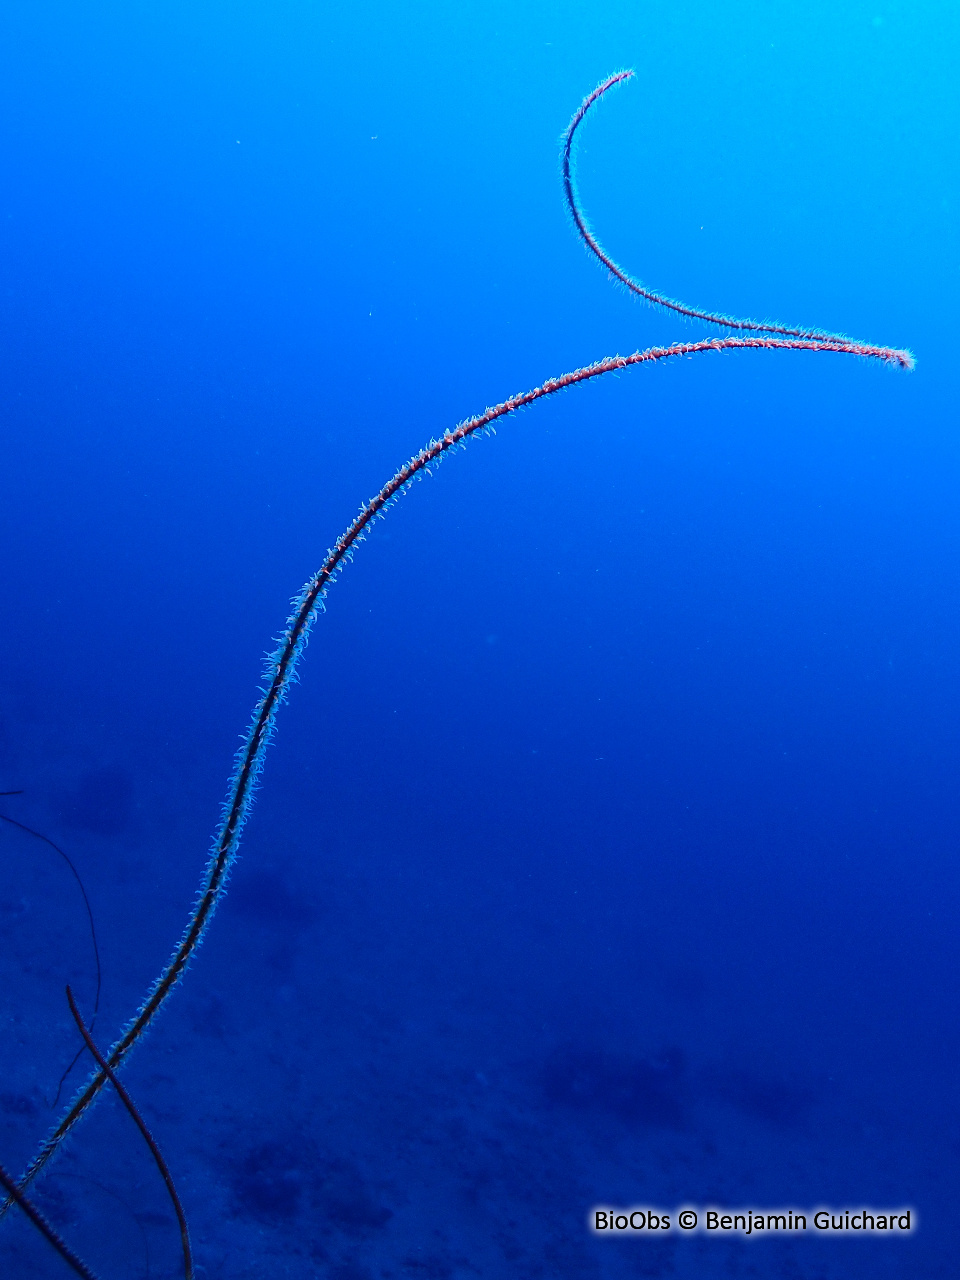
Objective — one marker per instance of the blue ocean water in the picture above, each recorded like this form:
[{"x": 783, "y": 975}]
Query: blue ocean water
[{"x": 606, "y": 854}]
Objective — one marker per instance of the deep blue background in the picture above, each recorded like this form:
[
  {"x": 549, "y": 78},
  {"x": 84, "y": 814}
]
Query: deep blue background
[{"x": 630, "y": 741}]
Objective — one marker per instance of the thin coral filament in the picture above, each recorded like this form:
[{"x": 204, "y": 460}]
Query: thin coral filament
[
  {"x": 145, "y": 1133},
  {"x": 93, "y": 928},
  {"x": 281, "y": 665},
  {"x": 659, "y": 299},
  {"x": 50, "y": 1234}
]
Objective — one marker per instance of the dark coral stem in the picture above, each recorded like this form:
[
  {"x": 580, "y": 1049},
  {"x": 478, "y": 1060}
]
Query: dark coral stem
[
  {"x": 282, "y": 663},
  {"x": 147, "y": 1135},
  {"x": 50, "y": 1233}
]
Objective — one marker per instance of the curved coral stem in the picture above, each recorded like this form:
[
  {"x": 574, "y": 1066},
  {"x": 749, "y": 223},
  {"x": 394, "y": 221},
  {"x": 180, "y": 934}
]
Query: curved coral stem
[
  {"x": 659, "y": 299},
  {"x": 282, "y": 663}
]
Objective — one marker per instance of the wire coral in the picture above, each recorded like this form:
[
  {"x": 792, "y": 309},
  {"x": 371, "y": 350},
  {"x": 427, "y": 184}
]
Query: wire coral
[
  {"x": 145, "y": 1132},
  {"x": 20, "y": 826},
  {"x": 281, "y": 665},
  {"x": 903, "y": 358},
  {"x": 43, "y": 1226}
]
